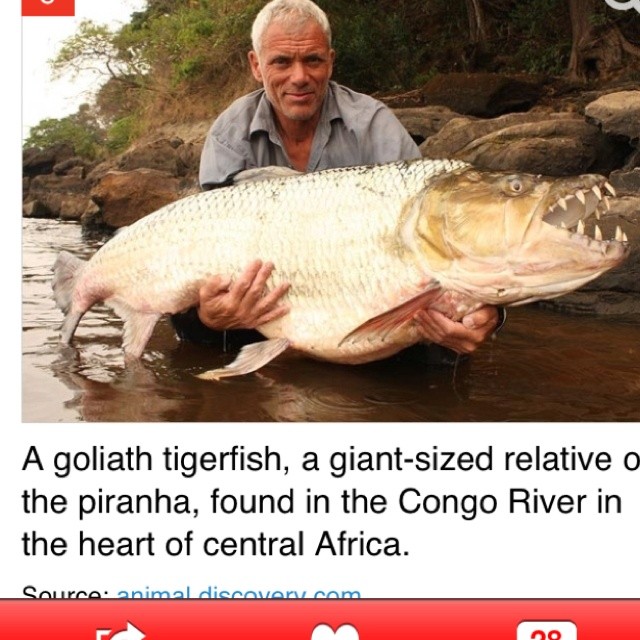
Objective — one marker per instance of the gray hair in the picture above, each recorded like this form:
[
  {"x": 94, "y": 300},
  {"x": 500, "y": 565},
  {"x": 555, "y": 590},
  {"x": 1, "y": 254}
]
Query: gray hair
[{"x": 291, "y": 12}]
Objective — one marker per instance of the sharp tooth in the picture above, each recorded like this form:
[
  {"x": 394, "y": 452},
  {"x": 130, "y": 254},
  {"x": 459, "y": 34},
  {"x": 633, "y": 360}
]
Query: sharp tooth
[
  {"x": 580, "y": 226},
  {"x": 563, "y": 204},
  {"x": 607, "y": 204},
  {"x": 619, "y": 234},
  {"x": 598, "y": 214},
  {"x": 610, "y": 189},
  {"x": 580, "y": 196},
  {"x": 624, "y": 237},
  {"x": 563, "y": 225},
  {"x": 597, "y": 234},
  {"x": 596, "y": 190}
]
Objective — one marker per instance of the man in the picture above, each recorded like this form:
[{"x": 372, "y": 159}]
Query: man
[{"x": 302, "y": 120}]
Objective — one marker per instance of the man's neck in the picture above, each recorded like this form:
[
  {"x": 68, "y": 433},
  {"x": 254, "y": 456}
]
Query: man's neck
[{"x": 297, "y": 138}]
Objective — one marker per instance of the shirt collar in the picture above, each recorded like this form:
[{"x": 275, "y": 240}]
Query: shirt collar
[{"x": 263, "y": 117}]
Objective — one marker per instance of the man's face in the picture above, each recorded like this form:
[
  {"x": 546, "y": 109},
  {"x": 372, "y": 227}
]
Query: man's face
[{"x": 295, "y": 66}]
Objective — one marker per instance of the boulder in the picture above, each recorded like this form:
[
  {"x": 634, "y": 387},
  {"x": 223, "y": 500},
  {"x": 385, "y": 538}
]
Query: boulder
[
  {"x": 618, "y": 114},
  {"x": 37, "y": 209},
  {"x": 126, "y": 196},
  {"x": 482, "y": 94},
  {"x": 41, "y": 161},
  {"x": 424, "y": 122},
  {"x": 75, "y": 166},
  {"x": 161, "y": 155},
  {"x": 626, "y": 182},
  {"x": 62, "y": 196},
  {"x": 536, "y": 142}
]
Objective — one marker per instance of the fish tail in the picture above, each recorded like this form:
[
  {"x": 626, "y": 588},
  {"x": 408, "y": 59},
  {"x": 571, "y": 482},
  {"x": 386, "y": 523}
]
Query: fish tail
[{"x": 66, "y": 271}]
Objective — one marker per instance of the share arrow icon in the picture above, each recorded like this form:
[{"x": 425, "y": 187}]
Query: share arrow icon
[{"x": 130, "y": 633}]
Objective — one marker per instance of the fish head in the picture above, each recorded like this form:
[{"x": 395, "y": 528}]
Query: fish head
[{"x": 515, "y": 238}]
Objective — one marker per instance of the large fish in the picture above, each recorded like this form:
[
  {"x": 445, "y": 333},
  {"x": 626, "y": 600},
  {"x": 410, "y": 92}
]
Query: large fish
[{"x": 364, "y": 248}]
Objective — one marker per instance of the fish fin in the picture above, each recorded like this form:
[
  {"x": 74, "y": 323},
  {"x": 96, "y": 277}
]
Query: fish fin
[
  {"x": 69, "y": 326},
  {"x": 264, "y": 173},
  {"x": 66, "y": 271},
  {"x": 251, "y": 357},
  {"x": 382, "y": 325},
  {"x": 138, "y": 328}
]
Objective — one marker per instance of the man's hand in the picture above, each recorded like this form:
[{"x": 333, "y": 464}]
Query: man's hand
[
  {"x": 241, "y": 304},
  {"x": 462, "y": 337}
]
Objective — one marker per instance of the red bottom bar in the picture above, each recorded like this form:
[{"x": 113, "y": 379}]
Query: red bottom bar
[{"x": 320, "y": 619}]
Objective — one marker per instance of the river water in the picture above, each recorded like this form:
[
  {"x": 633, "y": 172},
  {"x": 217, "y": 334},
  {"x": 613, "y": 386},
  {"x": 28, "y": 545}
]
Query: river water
[{"x": 544, "y": 366}]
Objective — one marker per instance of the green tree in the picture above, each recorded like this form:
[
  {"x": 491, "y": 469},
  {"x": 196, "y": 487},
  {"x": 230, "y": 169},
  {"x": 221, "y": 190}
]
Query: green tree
[{"x": 80, "y": 130}]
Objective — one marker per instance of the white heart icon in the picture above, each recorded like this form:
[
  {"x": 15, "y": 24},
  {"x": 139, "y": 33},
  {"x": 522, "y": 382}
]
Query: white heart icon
[{"x": 343, "y": 632}]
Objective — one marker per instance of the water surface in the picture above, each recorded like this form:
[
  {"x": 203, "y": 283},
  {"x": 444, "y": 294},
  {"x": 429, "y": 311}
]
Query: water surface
[{"x": 544, "y": 366}]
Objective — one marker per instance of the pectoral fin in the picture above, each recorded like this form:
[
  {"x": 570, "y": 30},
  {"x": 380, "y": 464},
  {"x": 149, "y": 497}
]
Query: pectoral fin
[
  {"x": 251, "y": 358},
  {"x": 379, "y": 327},
  {"x": 138, "y": 327}
]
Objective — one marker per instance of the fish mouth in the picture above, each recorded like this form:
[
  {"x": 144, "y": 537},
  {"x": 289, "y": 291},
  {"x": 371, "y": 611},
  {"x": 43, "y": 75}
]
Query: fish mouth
[{"x": 568, "y": 213}]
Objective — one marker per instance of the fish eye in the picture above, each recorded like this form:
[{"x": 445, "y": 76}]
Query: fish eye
[{"x": 516, "y": 185}]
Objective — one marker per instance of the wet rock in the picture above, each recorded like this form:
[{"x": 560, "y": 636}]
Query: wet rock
[
  {"x": 126, "y": 196},
  {"x": 37, "y": 209},
  {"x": 64, "y": 196},
  {"x": 74, "y": 207}
]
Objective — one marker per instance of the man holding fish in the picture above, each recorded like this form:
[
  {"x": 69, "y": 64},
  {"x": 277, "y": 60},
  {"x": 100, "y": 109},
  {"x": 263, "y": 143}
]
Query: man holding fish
[{"x": 303, "y": 121}]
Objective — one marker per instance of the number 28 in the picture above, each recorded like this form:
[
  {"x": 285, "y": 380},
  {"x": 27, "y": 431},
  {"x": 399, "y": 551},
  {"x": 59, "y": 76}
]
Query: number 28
[{"x": 542, "y": 635}]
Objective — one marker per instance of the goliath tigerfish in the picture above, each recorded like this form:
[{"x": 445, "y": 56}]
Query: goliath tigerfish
[{"x": 364, "y": 248}]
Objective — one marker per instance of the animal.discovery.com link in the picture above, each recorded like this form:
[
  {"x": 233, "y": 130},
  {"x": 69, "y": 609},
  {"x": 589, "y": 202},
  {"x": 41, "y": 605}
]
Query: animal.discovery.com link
[{"x": 215, "y": 593}]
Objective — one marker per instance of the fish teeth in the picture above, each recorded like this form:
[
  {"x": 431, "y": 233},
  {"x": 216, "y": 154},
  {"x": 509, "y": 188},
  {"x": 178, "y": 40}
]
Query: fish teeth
[
  {"x": 597, "y": 233},
  {"x": 619, "y": 234},
  {"x": 580, "y": 227},
  {"x": 624, "y": 237},
  {"x": 581, "y": 197},
  {"x": 607, "y": 204},
  {"x": 563, "y": 204},
  {"x": 597, "y": 191},
  {"x": 610, "y": 189}
]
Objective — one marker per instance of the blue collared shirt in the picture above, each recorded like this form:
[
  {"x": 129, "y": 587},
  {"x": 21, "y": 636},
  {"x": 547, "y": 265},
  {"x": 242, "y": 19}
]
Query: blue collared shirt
[{"x": 354, "y": 129}]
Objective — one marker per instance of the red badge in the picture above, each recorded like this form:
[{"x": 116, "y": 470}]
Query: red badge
[{"x": 48, "y": 7}]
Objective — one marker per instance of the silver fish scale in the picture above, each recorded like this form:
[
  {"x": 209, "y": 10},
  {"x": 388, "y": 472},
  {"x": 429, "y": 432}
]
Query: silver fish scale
[{"x": 331, "y": 234}]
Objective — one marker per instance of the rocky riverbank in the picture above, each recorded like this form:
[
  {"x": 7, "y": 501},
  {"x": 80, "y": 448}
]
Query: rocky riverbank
[{"x": 495, "y": 122}]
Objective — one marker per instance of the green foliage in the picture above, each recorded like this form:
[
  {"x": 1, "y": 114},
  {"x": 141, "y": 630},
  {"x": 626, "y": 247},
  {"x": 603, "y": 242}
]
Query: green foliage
[
  {"x": 190, "y": 41},
  {"x": 539, "y": 36},
  {"x": 182, "y": 59},
  {"x": 121, "y": 134},
  {"x": 377, "y": 46},
  {"x": 78, "y": 131},
  {"x": 95, "y": 47}
]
